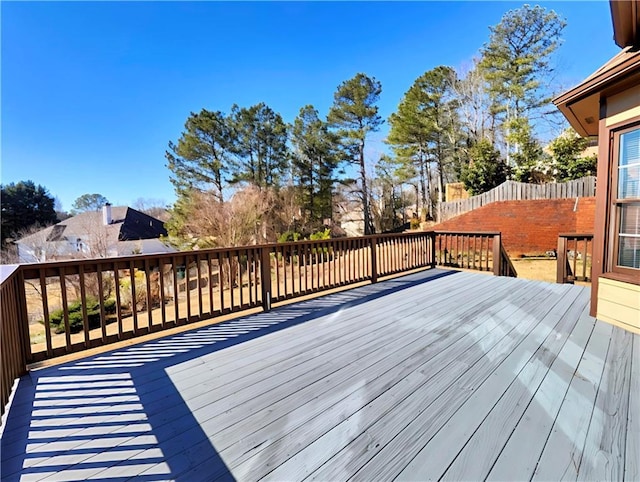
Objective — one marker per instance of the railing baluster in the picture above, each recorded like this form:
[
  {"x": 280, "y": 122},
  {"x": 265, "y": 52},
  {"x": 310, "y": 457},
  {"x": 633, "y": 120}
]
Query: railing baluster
[
  {"x": 231, "y": 281},
  {"x": 584, "y": 260},
  {"x": 176, "y": 308},
  {"x": 103, "y": 320},
  {"x": 199, "y": 284},
  {"x": 239, "y": 278},
  {"x": 221, "y": 281},
  {"x": 116, "y": 281},
  {"x": 210, "y": 283},
  {"x": 187, "y": 290},
  {"x": 45, "y": 313},
  {"x": 65, "y": 308},
  {"x": 147, "y": 276},
  {"x": 134, "y": 298}
]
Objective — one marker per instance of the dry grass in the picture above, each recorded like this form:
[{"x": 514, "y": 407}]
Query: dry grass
[
  {"x": 536, "y": 269},
  {"x": 541, "y": 269}
]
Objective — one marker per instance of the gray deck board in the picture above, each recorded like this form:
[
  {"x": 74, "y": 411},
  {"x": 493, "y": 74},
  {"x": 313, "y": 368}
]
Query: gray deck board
[
  {"x": 604, "y": 454},
  {"x": 373, "y": 402},
  {"x": 494, "y": 430},
  {"x": 337, "y": 384},
  {"x": 632, "y": 459},
  {"x": 535, "y": 424},
  {"x": 561, "y": 455},
  {"x": 461, "y": 376},
  {"x": 477, "y": 389}
]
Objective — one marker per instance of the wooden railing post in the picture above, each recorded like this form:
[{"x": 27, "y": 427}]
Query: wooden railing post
[
  {"x": 373, "y": 243},
  {"x": 432, "y": 248},
  {"x": 265, "y": 277},
  {"x": 561, "y": 260},
  {"x": 23, "y": 319},
  {"x": 497, "y": 255}
]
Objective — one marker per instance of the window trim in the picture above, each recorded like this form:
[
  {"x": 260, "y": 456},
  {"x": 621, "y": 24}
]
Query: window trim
[{"x": 622, "y": 273}]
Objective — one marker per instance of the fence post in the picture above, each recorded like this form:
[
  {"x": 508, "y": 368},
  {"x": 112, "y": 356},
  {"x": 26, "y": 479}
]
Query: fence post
[
  {"x": 265, "y": 277},
  {"x": 561, "y": 260},
  {"x": 373, "y": 243},
  {"x": 497, "y": 255}
]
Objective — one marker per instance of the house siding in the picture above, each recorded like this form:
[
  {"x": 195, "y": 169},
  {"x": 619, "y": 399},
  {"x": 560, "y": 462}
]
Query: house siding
[
  {"x": 623, "y": 106},
  {"x": 619, "y": 304}
]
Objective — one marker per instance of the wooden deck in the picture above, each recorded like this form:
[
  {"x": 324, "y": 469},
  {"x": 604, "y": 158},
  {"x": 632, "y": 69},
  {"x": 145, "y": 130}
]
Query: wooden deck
[{"x": 436, "y": 375}]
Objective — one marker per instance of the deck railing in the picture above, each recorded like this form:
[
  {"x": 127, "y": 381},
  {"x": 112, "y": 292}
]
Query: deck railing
[
  {"x": 12, "y": 333},
  {"x": 57, "y": 308},
  {"x": 574, "y": 258},
  {"x": 482, "y": 251}
]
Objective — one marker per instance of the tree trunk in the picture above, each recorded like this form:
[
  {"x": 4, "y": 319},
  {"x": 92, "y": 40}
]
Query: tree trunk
[{"x": 368, "y": 227}]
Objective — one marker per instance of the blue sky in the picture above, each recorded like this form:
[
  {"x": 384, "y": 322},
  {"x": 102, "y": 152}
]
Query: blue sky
[{"x": 93, "y": 92}]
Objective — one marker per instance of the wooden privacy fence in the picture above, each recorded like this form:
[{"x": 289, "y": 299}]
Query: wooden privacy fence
[
  {"x": 516, "y": 191},
  {"x": 56, "y": 308},
  {"x": 574, "y": 257}
]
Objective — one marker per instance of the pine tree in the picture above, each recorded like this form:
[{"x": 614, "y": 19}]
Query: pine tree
[
  {"x": 315, "y": 160},
  {"x": 354, "y": 115},
  {"x": 201, "y": 157},
  {"x": 515, "y": 60},
  {"x": 260, "y": 146}
]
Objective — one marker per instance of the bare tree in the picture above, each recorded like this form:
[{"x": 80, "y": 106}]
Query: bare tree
[
  {"x": 475, "y": 104},
  {"x": 153, "y": 207}
]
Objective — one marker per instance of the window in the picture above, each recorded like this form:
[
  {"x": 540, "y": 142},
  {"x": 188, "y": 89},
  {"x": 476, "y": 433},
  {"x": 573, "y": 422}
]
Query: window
[{"x": 626, "y": 202}]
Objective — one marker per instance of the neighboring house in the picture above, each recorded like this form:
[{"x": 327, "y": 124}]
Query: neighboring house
[
  {"x": 607, "y": 104},
  {"x": 116, "y": 231}
]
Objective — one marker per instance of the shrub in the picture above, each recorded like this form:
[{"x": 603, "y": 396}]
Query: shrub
[
  {"x": 414, "y": 223},
  {"x": 319, "y": 235},
  {"x": 141, "y": 289},
  {"x": 289, "y": 236},
  {"x": 56, "y": 318}
]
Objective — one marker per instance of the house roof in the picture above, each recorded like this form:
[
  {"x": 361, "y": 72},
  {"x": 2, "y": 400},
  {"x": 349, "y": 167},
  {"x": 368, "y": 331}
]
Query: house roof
[
  {"x": 625, "y": 15},
  {"x": 581, "y": 104},
  {"x": 127, "y": 225}
]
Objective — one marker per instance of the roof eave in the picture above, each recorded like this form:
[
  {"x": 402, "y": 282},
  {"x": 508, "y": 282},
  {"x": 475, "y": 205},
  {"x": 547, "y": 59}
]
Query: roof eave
[
  {"x": 585, "y": 97},
  {"x": 625, "y": 15}
]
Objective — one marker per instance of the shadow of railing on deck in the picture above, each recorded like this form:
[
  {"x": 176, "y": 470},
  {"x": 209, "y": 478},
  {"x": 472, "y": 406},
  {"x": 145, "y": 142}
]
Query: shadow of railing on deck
[{"x": 120, "y": 415}]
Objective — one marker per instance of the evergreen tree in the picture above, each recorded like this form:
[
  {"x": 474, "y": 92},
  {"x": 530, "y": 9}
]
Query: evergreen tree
[
  {"x": 425, "y": 130},
  {"x": 315, "y": 160},
  {"x": 201, "y": 157},
  {"x": 354, "y": 115},
  {"x": 390, "y": 202},
  {"x": 88, "y": 202},
  {"x": 260, "y": 146},
  {"x": 569, "y": 160},
  {"x": 23, "y": 205},
  {"x": 486, "y": 169},
  {"x": 515, "y": 60}
]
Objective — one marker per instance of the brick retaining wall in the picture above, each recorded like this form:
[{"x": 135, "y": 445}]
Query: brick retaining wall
[{"x": 528, "y": 227}]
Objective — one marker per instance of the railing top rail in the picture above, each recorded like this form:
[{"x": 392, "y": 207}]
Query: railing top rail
[
  {"x": 6, "y": 271},
  {"x": 167, "y": 256},
  {"x": 470, "y": 233},
  {"x": 328, "y": 241},
  {"x": 575, "y": 235}
]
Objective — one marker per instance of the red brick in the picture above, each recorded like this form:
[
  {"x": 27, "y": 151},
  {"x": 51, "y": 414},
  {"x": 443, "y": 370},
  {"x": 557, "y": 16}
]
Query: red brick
[{"x": 528, "y": 227}]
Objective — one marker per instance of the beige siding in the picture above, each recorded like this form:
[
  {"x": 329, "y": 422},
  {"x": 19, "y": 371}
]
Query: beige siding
[
  {"x": 623, "y": 106},
  {"x": 619, "y": 304}
]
